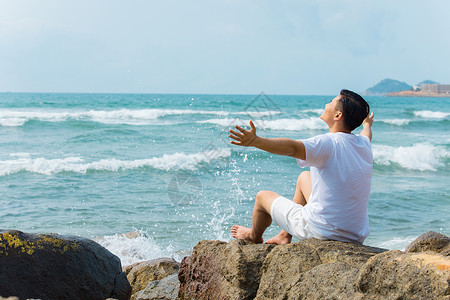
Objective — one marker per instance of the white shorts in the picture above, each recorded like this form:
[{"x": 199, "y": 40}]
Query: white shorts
[{"x": 288, "y": 215}]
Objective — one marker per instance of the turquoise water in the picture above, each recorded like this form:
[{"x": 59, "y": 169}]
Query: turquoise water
[{"x": 104, "y": 164}]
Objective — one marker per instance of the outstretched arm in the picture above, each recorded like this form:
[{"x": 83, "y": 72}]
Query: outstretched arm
[
  {"x": 367, "y": 126},
  {"x": 280, "y": 146}
]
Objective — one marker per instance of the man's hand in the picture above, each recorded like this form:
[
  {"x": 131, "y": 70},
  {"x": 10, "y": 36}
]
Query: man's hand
[
  {"x": 368, "y": 121},
  {"x": 244, "y": 137},
  {"x": 367, "y": 126}
]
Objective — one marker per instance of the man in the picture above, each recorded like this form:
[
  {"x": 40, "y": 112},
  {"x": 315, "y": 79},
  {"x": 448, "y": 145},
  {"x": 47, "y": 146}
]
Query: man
[{"x": 330, "y": 200}]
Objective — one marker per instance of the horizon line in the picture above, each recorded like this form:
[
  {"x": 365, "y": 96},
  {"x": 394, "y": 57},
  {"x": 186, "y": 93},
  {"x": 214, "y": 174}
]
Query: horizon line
[{"x": 174, "y": 93}]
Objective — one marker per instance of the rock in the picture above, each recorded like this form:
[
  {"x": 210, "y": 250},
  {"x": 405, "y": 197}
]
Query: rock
[
  {"x": 312, "y": 261},
  {"x": 311, "y": 269},
  {"x": 399, "y": 275},
  {"x": 430, "y": 241},
  {"x": 52, "y": 266},
  {"x": 140, "y": 274},
  {"x": 219, "y": 270},
  {"x": 128, "y": 268},
  {"x": 164, "y": 289},
  {"x": 325, "y": 281}
]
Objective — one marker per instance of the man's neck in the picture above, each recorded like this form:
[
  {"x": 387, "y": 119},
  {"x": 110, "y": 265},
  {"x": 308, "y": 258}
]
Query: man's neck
[{"x": 339, "y": 128}]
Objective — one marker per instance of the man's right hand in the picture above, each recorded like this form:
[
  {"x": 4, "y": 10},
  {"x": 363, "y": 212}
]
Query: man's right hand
[{"x": 244, "y": 137}]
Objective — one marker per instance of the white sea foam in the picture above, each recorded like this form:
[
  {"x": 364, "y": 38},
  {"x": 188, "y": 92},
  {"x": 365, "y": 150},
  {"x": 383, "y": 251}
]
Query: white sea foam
[
  {"x": 431, "y": 114},
  {"x": 120, "y": 116},
  {"x": 133, "y": 250},
  {"x": 422, "y": 157},
  {"x": 294, "y": 124},
  {"x": 257, "y": 114},
  {"x": 396, "y": 243},
  {"x": 20, "y": 154},
  {"x": 224, "y": 122},
  {"x": 167, "y": 162},
  {"x": 317, "y": 111},
  {"x": 280, "y": 124},
  {"x": 142, "y": 116},
  {"x": 398, "y": 122},
  {"x": 220, "y": 216},
  {"x": 12, "y": 122}
]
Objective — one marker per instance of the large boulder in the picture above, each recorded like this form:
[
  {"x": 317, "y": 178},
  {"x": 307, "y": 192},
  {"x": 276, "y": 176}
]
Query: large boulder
[
  {"x": 142, "y": 275},
  {"x": 52, "y": 266},
  {"x": 311, "y": 269},
  {"x": 430, "y": 241},
  {"x": 400, "y": 275},
  {"x": 219, "y": 270}
]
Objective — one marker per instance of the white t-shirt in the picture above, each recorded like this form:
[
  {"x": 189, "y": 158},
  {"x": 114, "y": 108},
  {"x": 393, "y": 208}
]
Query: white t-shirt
[{"x": 341, "y": 172}]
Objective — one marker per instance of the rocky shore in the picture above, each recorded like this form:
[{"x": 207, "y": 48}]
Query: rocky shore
[
  {"x": 417, "y": 94},
  {"x": 60, "y": 267}
]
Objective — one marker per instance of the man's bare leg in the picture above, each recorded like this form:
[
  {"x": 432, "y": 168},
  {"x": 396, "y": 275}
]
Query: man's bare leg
[
  {"x": 301, "y": 196},
  {"x": 261, "y": 218}
]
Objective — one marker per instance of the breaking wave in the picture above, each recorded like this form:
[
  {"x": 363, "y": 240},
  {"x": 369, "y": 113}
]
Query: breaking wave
[
  {"x": 136, "y": 248},
  {"x": 428, "y": 114},
  {"x": 121, "y": 116},
  {"x": 167, "y": 162},
  {"x": 398, "y": 122},
  {"x": 422, "y": 157},
  {"x": 317, "y": 111},
  {"x": 280, "y": 124}
]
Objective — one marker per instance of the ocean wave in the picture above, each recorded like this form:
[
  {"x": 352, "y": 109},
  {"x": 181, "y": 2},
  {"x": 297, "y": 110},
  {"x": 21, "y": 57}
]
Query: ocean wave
[
  {"x": 121, "y": 116},
  {"x": 317, "y": 111},
  {"x": 12, "y": 122},
  {"x": 396, "y": 243},
  {"x": 20, "y": 154},
  {"x": 167, "y": 162},
  {"x": 280, "y": 124},
  {"x": 398, "y": 122},
  {"x": 138, "y": 248},
  {"x": 256, "y": 114},
  {"x": 428, "y": 114},
  {"x": 422, "y": 157}
]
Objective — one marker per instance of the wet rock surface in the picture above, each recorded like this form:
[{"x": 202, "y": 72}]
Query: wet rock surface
[{"x": 52, "y": 266}]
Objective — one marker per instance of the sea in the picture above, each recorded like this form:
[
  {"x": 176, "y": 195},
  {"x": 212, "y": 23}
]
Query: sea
[{"x": 162, "y": 166}]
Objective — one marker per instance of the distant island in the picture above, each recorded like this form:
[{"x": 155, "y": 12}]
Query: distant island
[{"x": 395, "y": 88}]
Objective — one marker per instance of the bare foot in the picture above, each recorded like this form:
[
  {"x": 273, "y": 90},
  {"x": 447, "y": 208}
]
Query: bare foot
[
  {"x": 280, "y": 239},
  {"x": 244, "y": 233}
]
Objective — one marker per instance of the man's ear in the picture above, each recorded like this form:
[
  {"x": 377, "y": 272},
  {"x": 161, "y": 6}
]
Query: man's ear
[{"x": 338, "y": 115}]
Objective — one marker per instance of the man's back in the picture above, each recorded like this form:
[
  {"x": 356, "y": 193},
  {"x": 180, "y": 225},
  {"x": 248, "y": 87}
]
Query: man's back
[{"x": 341, "y": 168}]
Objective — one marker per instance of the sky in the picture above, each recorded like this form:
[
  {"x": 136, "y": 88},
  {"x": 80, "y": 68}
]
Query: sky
[{"x": 298, "y": 47}]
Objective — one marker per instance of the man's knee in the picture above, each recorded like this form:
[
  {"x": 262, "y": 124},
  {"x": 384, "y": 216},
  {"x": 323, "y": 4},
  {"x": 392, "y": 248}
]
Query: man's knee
[
  {"x": 305, "y": 176},
  {"x": 261, "y": 195},
  {"x": 264, "y": 199},
  {"x": 264, "y": 196}
]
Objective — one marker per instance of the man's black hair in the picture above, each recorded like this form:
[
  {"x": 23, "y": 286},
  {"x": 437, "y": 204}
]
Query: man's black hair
[{"x": 354, "y": 109}]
